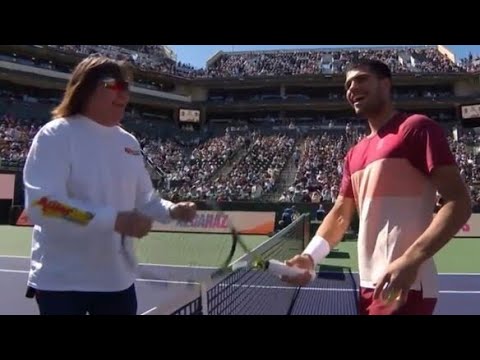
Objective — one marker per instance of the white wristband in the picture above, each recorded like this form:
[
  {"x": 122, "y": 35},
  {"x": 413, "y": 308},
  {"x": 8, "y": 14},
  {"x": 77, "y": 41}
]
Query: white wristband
[{"x": 318, "y": 249}]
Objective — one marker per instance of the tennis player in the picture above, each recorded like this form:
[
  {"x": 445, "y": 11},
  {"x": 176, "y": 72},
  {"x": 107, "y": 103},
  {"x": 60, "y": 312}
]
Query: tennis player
[
  {"x": 390, "y": 178},
  {"x": 84, "y": 177}
]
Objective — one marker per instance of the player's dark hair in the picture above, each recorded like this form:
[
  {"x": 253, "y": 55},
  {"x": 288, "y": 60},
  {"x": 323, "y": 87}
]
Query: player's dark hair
[
  {"x": 85, "y": 78},
  {"x": 377, "y": 67}
]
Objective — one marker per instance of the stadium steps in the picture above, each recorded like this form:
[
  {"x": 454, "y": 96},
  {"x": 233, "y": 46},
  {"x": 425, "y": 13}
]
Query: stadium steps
[
  {"x": 231, "y": 163},
  {"x": 155, "y": 175},
  {"x": 287, "y": 176}
]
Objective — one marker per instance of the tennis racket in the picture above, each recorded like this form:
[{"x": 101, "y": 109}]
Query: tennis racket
[
  {"x": 254, "y": 261},
  {"x": 183, "y": 284}
]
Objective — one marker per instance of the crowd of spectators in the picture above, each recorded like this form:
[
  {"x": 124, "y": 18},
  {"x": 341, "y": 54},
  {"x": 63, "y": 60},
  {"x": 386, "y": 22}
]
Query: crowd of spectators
[
  {"x": 147, "y": 58},
  {"x": 320, "y": 167},
  {"x": 415, "y": 60},
  {"x": 255, "y": 174},
  {"x": 15, "y": 139},
  {"x": 184, "y": 170},
  {"x": 471, "y": 63},
  {"x": 282, "y": 62},
  {"x": 466, "y": 149},
  {"x": 194, "y": 172},
  {"x": 239, "y": 165}
]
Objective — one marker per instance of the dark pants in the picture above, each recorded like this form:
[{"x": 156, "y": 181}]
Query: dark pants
[{"x": 80, "y": 303}]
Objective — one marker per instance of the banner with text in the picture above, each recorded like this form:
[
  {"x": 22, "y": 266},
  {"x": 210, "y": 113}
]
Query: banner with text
[{"x": 246, "y": 222}]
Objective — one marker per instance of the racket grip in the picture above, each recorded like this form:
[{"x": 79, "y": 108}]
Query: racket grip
[{"x": 281, "y": 269}]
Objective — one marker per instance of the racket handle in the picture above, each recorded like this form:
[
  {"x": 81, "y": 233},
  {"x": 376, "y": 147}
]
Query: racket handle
[{"x": 281, "y": 269}]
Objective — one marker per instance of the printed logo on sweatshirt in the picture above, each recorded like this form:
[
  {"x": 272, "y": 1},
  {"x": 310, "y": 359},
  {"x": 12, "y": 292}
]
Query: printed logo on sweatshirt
[
  {"x": 52, "y": 208},
  {"x": 131, "y": 151}
]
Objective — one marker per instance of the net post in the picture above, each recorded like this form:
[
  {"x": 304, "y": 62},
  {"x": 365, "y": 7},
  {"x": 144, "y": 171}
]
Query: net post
[{"x": 204, "y": 297}]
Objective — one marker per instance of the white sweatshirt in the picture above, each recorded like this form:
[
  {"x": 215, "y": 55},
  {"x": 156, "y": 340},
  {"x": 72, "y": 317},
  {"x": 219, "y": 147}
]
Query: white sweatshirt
[{"x": 77, "y": 176}]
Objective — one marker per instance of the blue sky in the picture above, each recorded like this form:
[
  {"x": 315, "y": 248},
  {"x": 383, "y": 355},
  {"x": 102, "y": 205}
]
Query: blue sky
[{"x": 197, "y": 55}]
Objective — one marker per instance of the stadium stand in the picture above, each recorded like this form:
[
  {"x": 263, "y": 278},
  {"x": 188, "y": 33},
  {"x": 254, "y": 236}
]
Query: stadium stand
[
  {"x": 420, "y": 60},
  {"x": 257, "y": 131},
  {"x": 280, "y": 143}
]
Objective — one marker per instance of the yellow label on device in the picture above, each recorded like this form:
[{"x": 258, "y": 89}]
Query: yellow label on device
[{"x": 53, "y": 208}]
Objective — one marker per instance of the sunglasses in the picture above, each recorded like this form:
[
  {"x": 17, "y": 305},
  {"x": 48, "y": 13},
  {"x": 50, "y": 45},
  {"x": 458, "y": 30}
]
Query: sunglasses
[{"x": 116, "y": 85}]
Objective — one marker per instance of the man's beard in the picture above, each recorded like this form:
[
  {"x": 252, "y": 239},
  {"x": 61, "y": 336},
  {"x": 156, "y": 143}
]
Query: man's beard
[{"x": 372, "y": 109}]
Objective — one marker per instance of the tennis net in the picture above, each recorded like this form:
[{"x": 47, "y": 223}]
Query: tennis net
[{"x": 253, "y": 292}]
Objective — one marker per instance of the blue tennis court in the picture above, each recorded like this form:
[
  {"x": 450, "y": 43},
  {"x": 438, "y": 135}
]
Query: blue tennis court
[{"x": 332, "y": 293}]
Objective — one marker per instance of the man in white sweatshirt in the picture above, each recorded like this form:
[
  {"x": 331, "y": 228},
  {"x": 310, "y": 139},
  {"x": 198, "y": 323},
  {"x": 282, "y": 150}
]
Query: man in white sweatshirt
[{"x": 85, "y": 187}]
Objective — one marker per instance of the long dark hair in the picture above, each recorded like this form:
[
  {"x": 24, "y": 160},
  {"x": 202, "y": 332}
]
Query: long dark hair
[{"x": 85, "y": 78}]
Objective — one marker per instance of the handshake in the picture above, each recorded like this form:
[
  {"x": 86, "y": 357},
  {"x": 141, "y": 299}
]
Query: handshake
[{"x": 136, "y": 224}]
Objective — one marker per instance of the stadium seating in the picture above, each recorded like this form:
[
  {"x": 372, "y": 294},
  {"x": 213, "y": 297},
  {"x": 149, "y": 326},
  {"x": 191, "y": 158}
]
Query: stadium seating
[
  {"x": 233, "y": 167},
  {"x": 282, "y": 63},
  {"x": 239, "y": 161}
]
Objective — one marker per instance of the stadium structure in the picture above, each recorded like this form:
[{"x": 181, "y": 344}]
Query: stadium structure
[
  {"x": 243, "y": 128},
  {"x": 259, "y": 132}
]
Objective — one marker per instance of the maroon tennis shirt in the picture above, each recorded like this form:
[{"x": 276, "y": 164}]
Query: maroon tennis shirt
[{"x": 388, "y": 176}]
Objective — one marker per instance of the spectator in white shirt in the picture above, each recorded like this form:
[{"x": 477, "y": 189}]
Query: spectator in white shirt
[{"x": 84, "y": 178}]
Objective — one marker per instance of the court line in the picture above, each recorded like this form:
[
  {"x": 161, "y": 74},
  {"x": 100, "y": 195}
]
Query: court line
[
  {"x": 169, "y": 282},
  {"x": 459, "y": 274},
  {"x": 139, "y": 279},
  {"x": 178, "y": 266},
  {"x": 320, "y": 289},
  {"x": 212, "y": 267},
  {"x": 335, "y": 289},
  {"x": 149, "y": 311},
  {"x": 140, "y": 264},
  {"x": 14, "y": 271},
  {"x": 271, "y": 287},
  {"x": 441, "y": 273},
  {"x": 179, "y": 282}
]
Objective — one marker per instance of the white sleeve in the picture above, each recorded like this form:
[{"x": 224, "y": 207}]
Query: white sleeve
[
  {"x": 148, "y": 201},
  {"x": 45, "y": 181}
]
